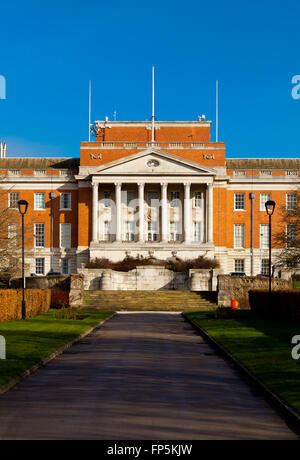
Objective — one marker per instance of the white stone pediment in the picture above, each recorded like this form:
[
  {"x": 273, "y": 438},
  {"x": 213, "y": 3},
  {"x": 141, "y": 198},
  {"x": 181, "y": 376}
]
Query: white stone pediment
[{"x": 153, "y": 162}]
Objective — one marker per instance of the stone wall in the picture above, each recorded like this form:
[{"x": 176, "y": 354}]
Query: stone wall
[
  {"x": 43, "y": 282},
  {"x": 74, "y": 284},
  {"x": 147, "y": 277},
  {"x": 237, "y": 287}
]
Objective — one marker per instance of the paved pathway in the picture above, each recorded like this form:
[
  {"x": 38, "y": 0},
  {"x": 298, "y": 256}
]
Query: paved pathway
[{"x": 140, "y": 376}]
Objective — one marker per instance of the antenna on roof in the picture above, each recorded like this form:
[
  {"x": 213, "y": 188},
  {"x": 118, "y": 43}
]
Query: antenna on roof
[
  {"x": 90, "y": 108},
  {"x": 217, "y": 110},
  {"x": 153, "y": 128},
  {"x": 115, "y": 115}
]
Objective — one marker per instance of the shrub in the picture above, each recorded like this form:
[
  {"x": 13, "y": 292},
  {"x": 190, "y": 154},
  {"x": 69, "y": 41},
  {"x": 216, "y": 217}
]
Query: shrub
[
  {"x": 67, "y": 313},
  {"x": 59, "y": 298},
  {"x": 177, "y": 265},
  {"x": 185, "y": 265},
  {"x": 281, "y": 304}
]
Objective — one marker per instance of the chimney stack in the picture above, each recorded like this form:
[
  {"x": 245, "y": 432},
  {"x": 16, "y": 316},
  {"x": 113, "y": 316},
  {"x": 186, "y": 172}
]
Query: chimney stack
[{"x": 3, "y": 149}]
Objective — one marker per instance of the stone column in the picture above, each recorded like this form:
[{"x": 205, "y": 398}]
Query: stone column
[
  {"x": 118, "y": 187},
  {"x": 95, "y": 213},
  {"x": 209, "y": 213},
  {"x": 141, "y": 212},
  {"x": 187, "y": 213},
  {"x": 164, "y": 213}
]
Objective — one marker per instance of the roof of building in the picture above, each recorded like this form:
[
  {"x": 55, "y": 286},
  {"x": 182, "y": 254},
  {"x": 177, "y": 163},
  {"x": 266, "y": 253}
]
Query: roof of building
[
  {"x": 39, "y": 163},
  {"x": 73, "y": 163},
  {"x": 263, "y": 163}
]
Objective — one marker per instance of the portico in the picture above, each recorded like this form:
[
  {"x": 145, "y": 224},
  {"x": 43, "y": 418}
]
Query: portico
[
  {"x": 151, "y": 201},
  {"x": 177, "y": 212}
]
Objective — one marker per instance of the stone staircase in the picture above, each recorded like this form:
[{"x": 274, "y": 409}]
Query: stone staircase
[{"x": 149, "y": 300}]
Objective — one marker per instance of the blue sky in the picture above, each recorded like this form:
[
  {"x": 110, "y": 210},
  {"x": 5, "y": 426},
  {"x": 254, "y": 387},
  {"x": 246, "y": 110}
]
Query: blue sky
[{"x": 48, "y": 54}]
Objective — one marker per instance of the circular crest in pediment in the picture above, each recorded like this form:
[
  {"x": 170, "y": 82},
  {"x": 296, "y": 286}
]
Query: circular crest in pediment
[{"x": 152, "y": 163}]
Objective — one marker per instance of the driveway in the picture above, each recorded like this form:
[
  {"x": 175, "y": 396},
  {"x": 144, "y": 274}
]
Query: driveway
[{"x": 139, "y": 376}]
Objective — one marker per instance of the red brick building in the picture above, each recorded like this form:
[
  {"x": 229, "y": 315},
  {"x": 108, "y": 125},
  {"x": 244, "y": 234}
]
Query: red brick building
[{"x": 127, "y": 194}]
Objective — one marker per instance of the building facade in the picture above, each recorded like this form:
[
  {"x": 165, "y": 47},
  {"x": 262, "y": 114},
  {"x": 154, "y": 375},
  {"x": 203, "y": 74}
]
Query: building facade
[{"x": 127, "y": 194}]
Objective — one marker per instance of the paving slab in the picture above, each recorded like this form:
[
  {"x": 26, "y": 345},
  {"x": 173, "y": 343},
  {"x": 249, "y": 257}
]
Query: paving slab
[{"x": 139, "y": 376}]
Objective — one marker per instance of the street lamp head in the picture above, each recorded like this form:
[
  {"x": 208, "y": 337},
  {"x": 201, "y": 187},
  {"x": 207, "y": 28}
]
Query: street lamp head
[
  {"x": 52, "y": 195},
  {"x": 270, "y": 207},
  {"x": 22, "y": 205}
]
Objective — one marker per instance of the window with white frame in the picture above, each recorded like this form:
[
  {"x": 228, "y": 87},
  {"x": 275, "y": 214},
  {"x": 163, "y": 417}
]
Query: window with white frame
[
  {"x": 39, "y": 201},
  {"x": 291, "y": 172},
  {"x": 40, "y": 266},
  {"x": 40, "y": 172},
  {"x": 175, "y": 197},
  {"x": 264, "y": 197},
  {"x": 39, "y": 235},
  {"x": 129, "y": 231},
  {"x": 13, "y": 199},
  {"x": 264, "y": 236},
  {"x": 130, "y": 197},
  {"x": 65, "y": 266},
  {"x": 239, "y": 172},
  {"x": 65, "y": 201},
  {"x": 65, "y": 235},
  {"x": 152, "y": 231},
  {"x": 291, "y": 201},
  {"x": 291, "y": 235},
  {"x": 152, "y": 199},
  {"x": 197, "y": 231},
  {"x": 107, "y": 199},
  {"x": 264, "y": 267},
  {"x": 174, "y": 231},
  {"x": 198, "y": 199},
  {"x": 239, "y": 265},
  {"x": 239, "y": 201},
  {"x": 106, "y": 230},
  {"x": 239, "y": 236},
  {"x": 265, "y": 172}
]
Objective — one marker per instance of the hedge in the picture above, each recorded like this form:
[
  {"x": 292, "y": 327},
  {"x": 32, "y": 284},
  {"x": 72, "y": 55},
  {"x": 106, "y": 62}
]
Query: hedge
[
  {"x": 60, "y": 298},
  {"x": 130, "y": 263},
  {"x": 37, "y": 302},
  {"x": 282, "y": 304}
]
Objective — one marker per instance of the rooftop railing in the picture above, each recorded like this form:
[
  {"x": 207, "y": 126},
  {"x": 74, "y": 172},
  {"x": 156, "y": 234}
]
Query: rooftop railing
[{"x": 141, "y": 145}]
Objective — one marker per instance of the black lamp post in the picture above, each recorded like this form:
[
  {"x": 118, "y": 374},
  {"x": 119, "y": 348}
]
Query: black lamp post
[
  {"x": 23, "y": 205},
  {"x": 270, "y": 207}
]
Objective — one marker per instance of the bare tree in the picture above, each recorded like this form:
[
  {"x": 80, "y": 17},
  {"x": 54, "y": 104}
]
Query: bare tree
[
  {"x": 9, "y": 239},
  {"x": 288, "y": 239}
]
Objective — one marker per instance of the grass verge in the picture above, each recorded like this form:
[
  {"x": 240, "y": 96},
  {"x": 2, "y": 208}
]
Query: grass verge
[
  {"x": 263, "y": 347},
  {"x": 29, "y": 342}
]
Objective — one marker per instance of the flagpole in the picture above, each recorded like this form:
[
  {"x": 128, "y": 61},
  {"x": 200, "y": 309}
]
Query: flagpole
[
  {"x": 153, "y": 128},
  {"x": 217, "y": 111},
  {"x": 90, "y": 108}
]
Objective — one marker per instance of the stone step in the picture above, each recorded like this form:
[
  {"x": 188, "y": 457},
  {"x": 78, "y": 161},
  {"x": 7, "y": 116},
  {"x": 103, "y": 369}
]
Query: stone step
[
  {"x": 147, "y": 303},
  {"x": 148, "y": 300},
  {"x": 146, "y": 294}
]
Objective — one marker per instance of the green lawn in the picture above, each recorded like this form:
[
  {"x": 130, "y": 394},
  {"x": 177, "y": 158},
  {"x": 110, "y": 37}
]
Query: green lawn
[
  {"x": 264, "y": 347},
  {"x": 28, "y": 342}
]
